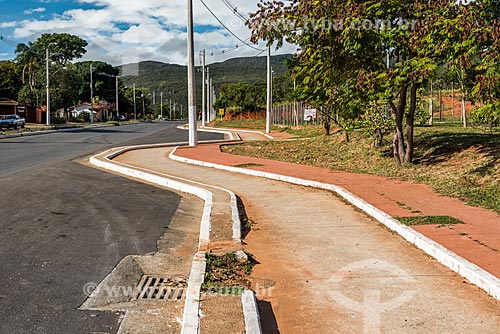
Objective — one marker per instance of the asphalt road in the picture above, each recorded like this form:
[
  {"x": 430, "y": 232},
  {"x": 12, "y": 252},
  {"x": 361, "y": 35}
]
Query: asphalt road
[{"x": 64, "y": 225}]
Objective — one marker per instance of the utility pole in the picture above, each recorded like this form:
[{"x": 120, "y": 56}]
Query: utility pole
[
  {"x": 117, "y": 99},
  {"x": 143, "y": 97},
  {"x": 48, "y": 87},
  {"x": 211, "y": 107},
  {"x": 207, "y": 83},
  {"x": 161, "y": 104},
  {"x": 269, "y": 91},
  {"x": 91, "y": 94},
  {"x": 203, "y": 110},
  {"x": 193, "y": 138},
  {"x": 135, "y": 104},
  {"x": 170, "y": 109}
]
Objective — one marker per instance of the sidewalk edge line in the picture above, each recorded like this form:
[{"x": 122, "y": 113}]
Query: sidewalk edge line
[{"x": 475, "y": 274}]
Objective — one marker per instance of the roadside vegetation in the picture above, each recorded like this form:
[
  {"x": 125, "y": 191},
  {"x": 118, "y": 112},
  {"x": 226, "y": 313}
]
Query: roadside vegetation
[{"x": 455, "y": 161}]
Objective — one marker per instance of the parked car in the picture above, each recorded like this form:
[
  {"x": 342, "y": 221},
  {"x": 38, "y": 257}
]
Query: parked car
[{"x": 12, "y": 121}]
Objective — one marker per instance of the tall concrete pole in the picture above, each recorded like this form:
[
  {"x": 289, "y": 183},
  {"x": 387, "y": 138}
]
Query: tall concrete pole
[
  {"x": 161, "y": 104},
  {"x": 91, "y": 94},
  {"x": 203, "y": 110},
  {"x": 193, "y": 135},
  {"x": 135, "y": 104},
  {"x": 212, "y": 100},
  {"x": 47, "y": 116},
  {"x": 269, "y": 91},
  {"x": 117, "y": 99},
  {"x": 207, "y": 84}
]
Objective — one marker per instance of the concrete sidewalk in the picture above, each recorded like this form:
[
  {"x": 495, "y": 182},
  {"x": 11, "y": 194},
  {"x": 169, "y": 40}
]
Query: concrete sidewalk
[{"x": 327, "y": 268}]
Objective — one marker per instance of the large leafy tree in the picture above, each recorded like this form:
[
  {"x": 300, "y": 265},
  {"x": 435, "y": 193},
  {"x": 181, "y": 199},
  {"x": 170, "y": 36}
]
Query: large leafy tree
[
  {"x": 355, "y": 54},
  {"x": 10, "y": 81},
  {"x": 65, "y": 79}
]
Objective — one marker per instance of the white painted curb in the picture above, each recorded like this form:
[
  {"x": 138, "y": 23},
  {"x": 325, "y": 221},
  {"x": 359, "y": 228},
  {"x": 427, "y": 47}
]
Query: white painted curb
[
  {"x": 191, "y": 314},
  {"x": 233, "y": 136},
  {"x": 466, "y": 269},
  {"x": 251, "y": 313},
  {"x": 191, "y": 317},
  {"x": 240, "y": 130}
]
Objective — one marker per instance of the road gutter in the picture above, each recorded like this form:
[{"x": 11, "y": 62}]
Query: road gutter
[{"x": 191, "y": 314}]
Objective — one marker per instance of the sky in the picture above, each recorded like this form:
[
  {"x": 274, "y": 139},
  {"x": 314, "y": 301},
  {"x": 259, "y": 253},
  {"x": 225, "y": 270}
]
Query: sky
[{"x": 128, "y": 31}]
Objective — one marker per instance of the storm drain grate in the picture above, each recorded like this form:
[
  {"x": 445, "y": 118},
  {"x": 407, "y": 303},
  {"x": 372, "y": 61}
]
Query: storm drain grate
[{"x": 157, "y": 288}]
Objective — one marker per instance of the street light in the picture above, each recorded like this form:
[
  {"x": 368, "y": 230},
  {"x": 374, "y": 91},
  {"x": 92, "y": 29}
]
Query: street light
[{"x": 193, "y": 134}]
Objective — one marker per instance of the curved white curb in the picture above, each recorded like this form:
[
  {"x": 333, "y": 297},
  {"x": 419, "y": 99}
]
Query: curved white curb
[
  {"x": 251, "y": 313},
  {"x": 191, "y": 320},
  {"x": 233, "y": 136},
  {"x": 239, "y": 130},
  {"x": 191, "y": 317},
  {"x": 466, "y": 269}
]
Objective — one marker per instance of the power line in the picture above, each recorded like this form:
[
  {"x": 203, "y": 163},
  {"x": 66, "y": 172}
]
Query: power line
[
  {"x": 232, "y": 33},
  {"x": 8, "y": 41},
  {"x": 234, "y": 10}
]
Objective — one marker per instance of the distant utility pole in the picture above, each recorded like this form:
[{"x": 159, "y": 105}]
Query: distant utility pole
[
  {"x": 193, "y": 138},
  {"x": 211, "y": 109},
  {"x": 161, "y": 104},
  {"x": 170, "y": 108},
  {"x": 135, "y": 104},
  {"x": 269, "y": 91},
  {"x": 207, "y": 84},
  {"x": 91, "y": 94},
  {"x": 203, "y": 111},
  {"x": 47, "y": 116},
  {"x": 117, "y": 98}
]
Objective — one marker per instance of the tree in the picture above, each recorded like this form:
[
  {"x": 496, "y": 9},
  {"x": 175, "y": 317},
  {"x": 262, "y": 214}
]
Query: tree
[
  {"x": 30, "y": 61},
  {"x": 104, "y": 80},
  {"x": 242, "y": 95},
  {"x": 63, "y": 48},
  {"x": 65, "y": 79},
  {"x": 10, "y": 81},
  {"x": 365, "y": 52}
]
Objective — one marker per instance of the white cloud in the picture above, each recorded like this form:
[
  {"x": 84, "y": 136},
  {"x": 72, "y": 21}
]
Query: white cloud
[
  {"x": 35, "y": 10},
  {"x": 125, "y": 31},
  {"x": 8, "y": 24}
]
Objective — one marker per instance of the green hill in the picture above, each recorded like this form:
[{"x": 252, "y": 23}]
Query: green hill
[{"x": 171, "y": 79}]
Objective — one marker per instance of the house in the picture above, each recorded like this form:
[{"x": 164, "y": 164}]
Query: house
[{"x": 30, "y": 113}]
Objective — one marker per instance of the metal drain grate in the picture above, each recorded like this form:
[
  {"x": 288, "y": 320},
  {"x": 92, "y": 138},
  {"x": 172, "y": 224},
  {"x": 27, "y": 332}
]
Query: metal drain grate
[{"x": 157, "y": 288}]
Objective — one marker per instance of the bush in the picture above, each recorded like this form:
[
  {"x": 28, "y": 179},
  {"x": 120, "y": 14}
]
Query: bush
[
  {"x": 487, "y": 115},
  {"x": 58, "y": 120}
]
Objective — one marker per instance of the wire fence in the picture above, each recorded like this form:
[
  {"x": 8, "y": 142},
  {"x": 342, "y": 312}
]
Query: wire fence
[{"x": 294, "y": 114}]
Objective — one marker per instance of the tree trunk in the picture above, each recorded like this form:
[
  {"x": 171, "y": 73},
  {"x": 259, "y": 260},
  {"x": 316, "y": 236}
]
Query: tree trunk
[
  {"x": 399, "y": 148},
  {"x": 327, "y": 127},
  {"x": 410, "y": 123}
]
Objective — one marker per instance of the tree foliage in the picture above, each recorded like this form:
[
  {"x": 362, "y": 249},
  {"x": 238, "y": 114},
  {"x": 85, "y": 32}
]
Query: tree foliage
[
  {"x": 354, "y": 55},
  {"x": 10, "y": 79}
]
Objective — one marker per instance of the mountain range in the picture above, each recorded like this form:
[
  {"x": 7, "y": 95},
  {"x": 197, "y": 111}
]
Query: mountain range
[{"x": 171, "y": 79}]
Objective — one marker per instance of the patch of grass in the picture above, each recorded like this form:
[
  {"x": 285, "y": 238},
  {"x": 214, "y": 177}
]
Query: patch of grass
[
  {"x": 456, "y": 162},
  {"x": 253, "y": 124},
  {"x": 248, "y": 165},
  {"x": 227, "y": 274},
  {"x": 429, "y": 220}
]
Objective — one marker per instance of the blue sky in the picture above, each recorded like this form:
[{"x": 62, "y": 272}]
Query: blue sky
[{"x": 127, "y": 31}]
